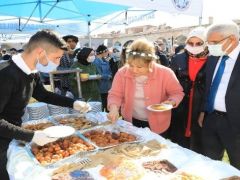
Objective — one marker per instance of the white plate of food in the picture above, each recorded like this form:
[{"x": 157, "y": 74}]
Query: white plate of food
[
  {"x": 160, "y": 107},
  {"x": 59, "y": 131}
]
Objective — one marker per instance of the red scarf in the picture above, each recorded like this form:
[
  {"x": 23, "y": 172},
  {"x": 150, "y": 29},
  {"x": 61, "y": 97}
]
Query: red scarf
[{"x": 194, "y": 66}]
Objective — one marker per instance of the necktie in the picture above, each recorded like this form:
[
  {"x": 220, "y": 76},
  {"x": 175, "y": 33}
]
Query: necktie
[{"x": 215, "y": 84}]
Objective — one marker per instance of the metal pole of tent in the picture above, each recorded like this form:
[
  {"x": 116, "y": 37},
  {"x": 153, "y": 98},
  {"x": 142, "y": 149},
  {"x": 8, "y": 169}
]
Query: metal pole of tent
[
  {"x": 89, "y": 35},
  {"x": 200, "y": 21},
  {"x": 107, "y": 22},
  {"x": 19, "y": 24},
  {"x": 200, "y": 17}
]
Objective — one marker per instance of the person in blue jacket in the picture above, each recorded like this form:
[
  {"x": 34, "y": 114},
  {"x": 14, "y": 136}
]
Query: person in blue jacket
[{"x": 103, "y": 68}]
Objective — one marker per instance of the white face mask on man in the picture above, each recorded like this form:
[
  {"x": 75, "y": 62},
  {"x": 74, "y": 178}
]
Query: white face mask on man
[
  {"x": 51, "y": 66},
  {"x": 217, "y": 49},
  {"x": 195, "y": 49}
]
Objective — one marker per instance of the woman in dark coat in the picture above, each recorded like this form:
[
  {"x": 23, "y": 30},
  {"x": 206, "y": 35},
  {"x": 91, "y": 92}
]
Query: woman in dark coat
[{"x": 189, "y": 68}]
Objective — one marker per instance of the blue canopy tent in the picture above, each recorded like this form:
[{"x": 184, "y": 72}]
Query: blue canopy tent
[{"x": 29, "y": 15}]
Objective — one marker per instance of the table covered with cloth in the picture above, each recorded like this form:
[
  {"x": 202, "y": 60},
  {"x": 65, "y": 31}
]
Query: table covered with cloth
[{"x": 22, "y": 167}]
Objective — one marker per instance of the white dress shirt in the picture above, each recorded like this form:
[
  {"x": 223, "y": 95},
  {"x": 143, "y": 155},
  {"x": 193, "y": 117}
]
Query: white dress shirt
[
  {"x": 219, "y": 103},
  {"x": 18, "y": 60}
]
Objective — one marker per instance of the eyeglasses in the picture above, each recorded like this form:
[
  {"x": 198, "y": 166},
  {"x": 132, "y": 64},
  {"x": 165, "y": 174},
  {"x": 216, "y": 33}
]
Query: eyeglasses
[
  {"x": 195, "y": 44},
  {"x": 217, "y": 42}
]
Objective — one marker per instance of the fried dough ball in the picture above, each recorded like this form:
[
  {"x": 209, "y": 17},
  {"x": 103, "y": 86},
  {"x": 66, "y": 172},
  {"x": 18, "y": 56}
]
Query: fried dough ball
[
  {"x": 60, "y": 149},
  {"x": 74, "y": 140},
  {"x": 35, "y": 150},
  {"x": 107, "y": 138}
]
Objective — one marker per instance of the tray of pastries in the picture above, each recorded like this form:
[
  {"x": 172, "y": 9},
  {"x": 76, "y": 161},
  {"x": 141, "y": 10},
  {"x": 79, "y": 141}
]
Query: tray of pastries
[
  {"x": 77, "y": 121},
  {"x": 160, "y": 166},
  {"x": 123, "y": 169},
  {"x": 107, "y": 137},
  {"x": 63, "y": 149},
  {"x": 38, "y": 124}
]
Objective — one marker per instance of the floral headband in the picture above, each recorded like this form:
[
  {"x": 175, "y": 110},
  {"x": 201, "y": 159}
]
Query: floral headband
[{"x": 142, "y": 54}]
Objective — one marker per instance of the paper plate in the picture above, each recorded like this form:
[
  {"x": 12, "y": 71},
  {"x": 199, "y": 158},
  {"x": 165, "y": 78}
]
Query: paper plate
[
  {"x": 59, "y": 131},
  {"x": 160, "y": 107}
]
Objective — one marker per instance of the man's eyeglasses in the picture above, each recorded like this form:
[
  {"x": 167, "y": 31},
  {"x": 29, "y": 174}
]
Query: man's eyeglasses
[
  {"x": 195, "y": 44},
  {"x": 217, "y": 42}
]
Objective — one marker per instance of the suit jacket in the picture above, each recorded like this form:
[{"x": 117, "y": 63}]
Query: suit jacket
[
  {"x": 232, "y": 98},
  {"x": 163, "y": 59}
]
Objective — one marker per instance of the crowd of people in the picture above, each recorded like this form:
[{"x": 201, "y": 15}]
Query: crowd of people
[
  {"x": 200, "y": 81},
  {"x": 6, "y": 55}
]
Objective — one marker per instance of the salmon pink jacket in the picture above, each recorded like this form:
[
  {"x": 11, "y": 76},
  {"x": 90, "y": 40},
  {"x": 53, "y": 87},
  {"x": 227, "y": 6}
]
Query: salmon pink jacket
[{"x": 161, "y": 85}]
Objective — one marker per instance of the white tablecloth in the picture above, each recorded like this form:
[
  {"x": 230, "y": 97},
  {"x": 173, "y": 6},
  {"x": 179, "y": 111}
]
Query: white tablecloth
[{"x": 21, "y": 166}]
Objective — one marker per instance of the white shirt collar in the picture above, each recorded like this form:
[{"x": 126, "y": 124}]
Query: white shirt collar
[
  {"x": 18, "y": 60},
  {"x": 235, "y": 52}
]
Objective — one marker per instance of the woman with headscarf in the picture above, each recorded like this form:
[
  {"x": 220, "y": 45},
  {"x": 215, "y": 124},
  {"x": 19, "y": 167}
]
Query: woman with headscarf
[
  {"x": 89, "y": 87},
  {"x": 189, "y": 68}
]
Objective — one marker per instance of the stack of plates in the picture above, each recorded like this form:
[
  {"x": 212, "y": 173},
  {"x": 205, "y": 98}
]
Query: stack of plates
[
  {"x": 37, "y": 111},
  {"x": 25, "y": 117},
  {"x": 56, "y": 110},
  {"x": 96, "y": 106},
  {"x": 72, "y": 111}
]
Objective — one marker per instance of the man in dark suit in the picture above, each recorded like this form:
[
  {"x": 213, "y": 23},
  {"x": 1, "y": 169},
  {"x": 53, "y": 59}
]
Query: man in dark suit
[{"x": 221, "y": 126}]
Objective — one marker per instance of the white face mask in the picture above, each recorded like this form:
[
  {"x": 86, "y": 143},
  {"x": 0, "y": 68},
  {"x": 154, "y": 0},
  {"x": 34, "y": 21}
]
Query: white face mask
[
  {"x": 107, "y": 58},
  {"x": 90, "y": 59},
  {"x": 194, "y": 49},
  {"x": 216, "y": 50},
  {"x": 47, "y": 68},
  {"x": 116, "y": 54}
]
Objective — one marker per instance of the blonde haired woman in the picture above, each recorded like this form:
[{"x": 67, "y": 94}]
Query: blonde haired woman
[{"x": 140, "y": 83}]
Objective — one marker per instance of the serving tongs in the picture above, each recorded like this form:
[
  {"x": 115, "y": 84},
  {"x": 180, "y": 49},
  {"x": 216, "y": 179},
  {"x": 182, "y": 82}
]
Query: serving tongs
[{"x": 116, "y": 128}]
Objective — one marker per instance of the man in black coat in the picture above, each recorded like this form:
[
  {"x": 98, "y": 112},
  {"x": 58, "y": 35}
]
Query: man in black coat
[
  {"x": 162, "y": 58},
  {"x": 221, "y": 126}
]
